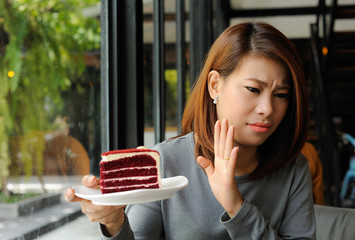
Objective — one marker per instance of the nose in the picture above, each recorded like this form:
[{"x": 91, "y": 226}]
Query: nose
[{"x": 265, "y": 106}]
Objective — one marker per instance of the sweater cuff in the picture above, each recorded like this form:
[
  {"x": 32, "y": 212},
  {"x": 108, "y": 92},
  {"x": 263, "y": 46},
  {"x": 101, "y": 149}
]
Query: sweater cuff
[
  {"x": 231, "y": 222},
  {"x": 124, "y": 233},
  {"x": 236, "y": 226}
]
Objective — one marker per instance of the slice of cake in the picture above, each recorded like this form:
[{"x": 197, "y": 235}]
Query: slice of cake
[{"x": 129, "y": 169}]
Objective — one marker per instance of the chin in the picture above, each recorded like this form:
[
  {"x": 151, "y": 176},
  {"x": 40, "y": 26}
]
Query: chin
[{"x": 251, "y": 143}]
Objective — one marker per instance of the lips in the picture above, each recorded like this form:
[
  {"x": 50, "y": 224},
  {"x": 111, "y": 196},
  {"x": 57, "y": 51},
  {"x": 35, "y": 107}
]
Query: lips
[{"x": 260, "y": 127}]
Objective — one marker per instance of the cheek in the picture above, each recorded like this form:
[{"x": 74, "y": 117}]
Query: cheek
[{"x": 234, "y": 106}]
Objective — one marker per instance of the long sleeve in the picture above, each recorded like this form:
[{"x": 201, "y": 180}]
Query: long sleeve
[
  {"x": 298, "y": 216},
  {"x": 125, "y": 232},
  {"x": 146, "y": 220}
]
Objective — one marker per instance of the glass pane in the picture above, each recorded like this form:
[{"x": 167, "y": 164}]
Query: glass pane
[
  {"x": 170, "y": 73},
  {"x": 49, "y": 93}
]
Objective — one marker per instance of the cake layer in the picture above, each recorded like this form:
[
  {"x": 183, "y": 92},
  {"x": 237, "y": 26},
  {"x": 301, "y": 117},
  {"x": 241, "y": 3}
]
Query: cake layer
[
  {"x": 128, "y": 181},
  {"x": 128, "y": 162},
  {"x": 128, "y": 188},
  {"x": 129, "y": 172}
]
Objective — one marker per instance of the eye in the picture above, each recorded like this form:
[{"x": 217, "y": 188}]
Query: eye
[
  {"x": 254, "y": 90},
  {"x": 282, "y": 95}
]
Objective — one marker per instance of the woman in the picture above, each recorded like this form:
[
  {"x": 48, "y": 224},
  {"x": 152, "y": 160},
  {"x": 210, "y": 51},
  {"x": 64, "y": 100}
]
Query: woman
[{"x": 244, "y": 124}]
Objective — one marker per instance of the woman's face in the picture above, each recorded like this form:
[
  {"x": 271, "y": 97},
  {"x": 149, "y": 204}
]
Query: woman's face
[{"x": 254, "y": 98}]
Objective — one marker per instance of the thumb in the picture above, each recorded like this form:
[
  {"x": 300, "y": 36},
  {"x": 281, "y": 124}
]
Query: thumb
[
  {"x": 206, "y": 165},
  {"x": 90, "y": 181}
]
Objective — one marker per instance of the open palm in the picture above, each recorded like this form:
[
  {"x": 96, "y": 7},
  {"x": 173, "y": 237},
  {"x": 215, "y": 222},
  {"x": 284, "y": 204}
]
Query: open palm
[{"x": 221, "y": 174}]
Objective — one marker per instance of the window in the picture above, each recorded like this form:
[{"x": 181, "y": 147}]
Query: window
[{"x": 49, "y": 93}]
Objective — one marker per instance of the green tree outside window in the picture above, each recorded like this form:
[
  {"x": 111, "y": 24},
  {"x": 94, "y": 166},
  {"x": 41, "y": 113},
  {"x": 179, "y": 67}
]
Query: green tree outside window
[{"x": 42, "y": 47}]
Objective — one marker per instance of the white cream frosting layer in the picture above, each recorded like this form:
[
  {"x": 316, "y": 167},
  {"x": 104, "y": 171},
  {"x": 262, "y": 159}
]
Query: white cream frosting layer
[{"x": 116, "y": 156}]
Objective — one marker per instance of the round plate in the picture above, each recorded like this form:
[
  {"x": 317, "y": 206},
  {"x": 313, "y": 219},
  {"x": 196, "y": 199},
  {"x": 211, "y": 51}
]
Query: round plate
[{"x": 169, "y": 187}]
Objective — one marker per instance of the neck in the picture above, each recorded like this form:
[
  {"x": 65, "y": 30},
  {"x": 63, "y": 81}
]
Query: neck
[{"x": 247, "y": 160}]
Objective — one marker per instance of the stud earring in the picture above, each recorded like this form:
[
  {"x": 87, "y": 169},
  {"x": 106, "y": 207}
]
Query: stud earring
[{"x": 215, "y": 100}]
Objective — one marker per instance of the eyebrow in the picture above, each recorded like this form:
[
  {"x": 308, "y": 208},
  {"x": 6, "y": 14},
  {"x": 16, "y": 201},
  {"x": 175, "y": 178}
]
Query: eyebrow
[{"x": 264, "y": 84}]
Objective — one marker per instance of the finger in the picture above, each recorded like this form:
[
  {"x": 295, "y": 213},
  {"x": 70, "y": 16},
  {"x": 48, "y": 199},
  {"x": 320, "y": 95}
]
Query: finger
[
  {"x": 93, "y": 212},
  {"x": 70, "y": 196},
  {"x": 90, "y": 181},
  {"x": 106, "y": 215},
  {"x": 91, "y": 209},
  {"x": 102, "y": 214},
  {"x": 217, "y": 132},
  {"x": 107, "y": 212},
  {"x": 206, "y": 165},
  {"x": 229, "y": 143},
  {"x": 100, "y": 210},
  {"x": 232, "y": 165},
  {"x": 222, "y": 142}
]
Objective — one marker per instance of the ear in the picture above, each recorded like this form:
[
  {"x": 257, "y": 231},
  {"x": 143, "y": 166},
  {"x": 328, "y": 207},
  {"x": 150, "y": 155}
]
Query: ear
[{"x": 213, "y": 83}]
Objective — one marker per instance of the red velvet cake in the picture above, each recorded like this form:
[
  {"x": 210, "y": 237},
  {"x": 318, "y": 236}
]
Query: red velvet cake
[{"x": 129, "y": 169}]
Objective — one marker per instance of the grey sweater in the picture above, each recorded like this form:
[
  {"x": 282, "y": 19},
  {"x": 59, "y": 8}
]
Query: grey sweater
[{"x": 277, "y": 206}]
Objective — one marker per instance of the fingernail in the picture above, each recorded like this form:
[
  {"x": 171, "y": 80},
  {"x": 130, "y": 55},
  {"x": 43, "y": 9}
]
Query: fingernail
[
  {"x": 91, "y": 179},
  {"x": 69, "y": 195}
]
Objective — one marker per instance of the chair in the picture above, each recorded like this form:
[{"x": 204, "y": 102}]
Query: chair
[
  {"x": 349, "y": 177},
  {"x": 333, "y": 223},
  {"x": 348, "y": 190}
]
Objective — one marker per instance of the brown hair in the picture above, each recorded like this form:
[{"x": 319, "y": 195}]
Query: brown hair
[{"x": 236, "y": 42}]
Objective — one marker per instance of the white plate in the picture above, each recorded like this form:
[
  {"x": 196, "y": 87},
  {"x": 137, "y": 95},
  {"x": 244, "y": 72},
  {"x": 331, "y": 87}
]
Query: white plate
[{"x": 169, "y": 187}]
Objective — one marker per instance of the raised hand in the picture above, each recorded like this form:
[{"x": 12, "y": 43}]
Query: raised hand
[
  {"x": 221, "y": 174},
  {"x": 110, "y": 216}
]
